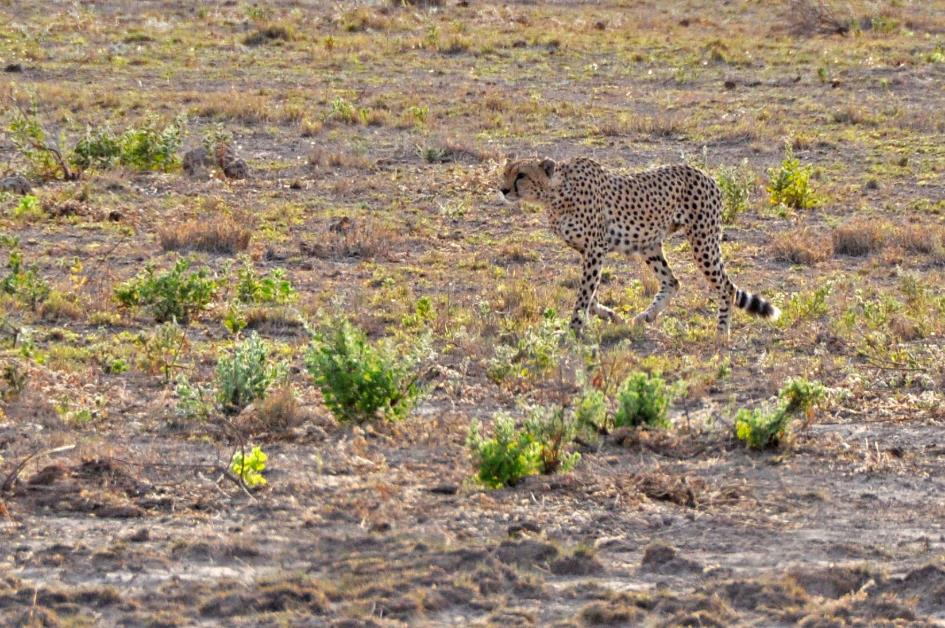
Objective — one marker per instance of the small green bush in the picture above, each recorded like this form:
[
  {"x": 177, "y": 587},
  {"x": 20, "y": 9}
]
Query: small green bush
[
  {"x": 24, "y": 283},
  {"x": 507, "y": 457},
  {"x": 736, "y": 185},
  {"x": 270, "y": 288},
  {"x": 767, "y": 429},
  {"x": 790, "y": 183},
  {"x": 149, "y": 148},
  {"x": 536, "y": 351},
  {"x": 361, "y": 381},
  {"x": 98, "y": 148},
  {"x": 642, "y": 399},
  {"x": 28, "y": 208},
  {"x": 42, "y": 155},
  {"x": 249, "y": 467},
  {"x": 554, "y": 430},
  {"x": 246, "y": 374},
  {"x": 590, "y": 413},
  {"x": 175, "y": 294},
  {"x": 163, "y": 348},
  {"x": 801, "y": 395},
  {"x": 762, "y": 429}
]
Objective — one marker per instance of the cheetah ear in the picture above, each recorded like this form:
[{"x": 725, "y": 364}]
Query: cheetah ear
[
  {"x": 509, "y": 158},
  {"x": 548, "y": 165}
]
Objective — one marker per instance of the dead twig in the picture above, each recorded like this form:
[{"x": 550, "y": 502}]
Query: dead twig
[{"x": 18, "y": 467}]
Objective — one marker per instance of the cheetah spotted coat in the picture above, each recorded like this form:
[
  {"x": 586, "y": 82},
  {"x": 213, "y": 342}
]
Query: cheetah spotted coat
[{"x": 596, "y": 211}]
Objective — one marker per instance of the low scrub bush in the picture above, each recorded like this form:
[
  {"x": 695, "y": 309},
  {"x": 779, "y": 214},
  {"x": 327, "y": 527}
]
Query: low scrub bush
[
  {"x": 24, "y": 282},
  {"x": 360, "y": 380},
  {"x": 590, "y": 413},
  {"x": 245, "y": 374},
  {"x": 736, "y": 184},
  {"x": 535, "y": 352},
  {"x": 642, "y": 400},
  {"x": 789, "y": 184},
  {"x": 507, "y": 457},
  {"x": 554, "y": 429},
  {"x": 175, "y": 294},
  {"x": 145, "y": 147},
  {"x": 270, "y": 288},
  {"x": 769, "y": 428}
]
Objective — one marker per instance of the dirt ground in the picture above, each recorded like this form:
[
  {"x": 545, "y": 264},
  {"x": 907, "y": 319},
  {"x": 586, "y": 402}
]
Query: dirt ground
[{"x": 115, "y": 511}]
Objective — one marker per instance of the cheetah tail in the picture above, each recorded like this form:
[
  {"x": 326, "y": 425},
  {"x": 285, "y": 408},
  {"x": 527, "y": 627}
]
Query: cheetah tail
[{"x": 753, "y": 304}]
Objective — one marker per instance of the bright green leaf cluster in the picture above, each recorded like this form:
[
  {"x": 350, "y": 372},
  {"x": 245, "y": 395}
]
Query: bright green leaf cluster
[
  {"x": 249, "y": 468},
  {"x": 175, "y": 294}
]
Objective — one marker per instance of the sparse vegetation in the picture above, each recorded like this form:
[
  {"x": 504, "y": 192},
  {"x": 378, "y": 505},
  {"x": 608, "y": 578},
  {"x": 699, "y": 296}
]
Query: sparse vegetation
[
  {"x": 643, "y": 400},
  {"x": 245, "y": 374},
  {"x": 789, "y": 184},
  {"x": 175, "y": 294},
  {"x": 360, "y": 380},
  {"x": 766, "y": 428},
  {"x": 736, "y": 184},
  {"x": 510, "y": 455}
]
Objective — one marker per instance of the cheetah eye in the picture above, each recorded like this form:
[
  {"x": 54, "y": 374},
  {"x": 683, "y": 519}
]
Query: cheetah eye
[{"x": 521, "y": 175}]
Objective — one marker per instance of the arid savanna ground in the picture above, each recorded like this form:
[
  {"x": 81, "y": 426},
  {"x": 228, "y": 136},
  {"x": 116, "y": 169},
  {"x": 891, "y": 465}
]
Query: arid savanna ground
[{"x": 360, "y": 148}]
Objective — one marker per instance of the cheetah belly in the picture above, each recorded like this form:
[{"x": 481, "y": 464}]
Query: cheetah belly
[{"x": 574, "y": 229}]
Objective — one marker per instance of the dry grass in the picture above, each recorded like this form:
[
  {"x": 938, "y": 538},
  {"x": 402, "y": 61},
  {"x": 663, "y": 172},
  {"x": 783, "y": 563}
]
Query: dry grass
[
  {"x": 801, "y": 246},
  {"x": 355, "y": 238},
  {"x": 923, "y": 240},
  {"x": 279, "y": 411},
  {"x": 809, "y": 17},
  {"x": 324, "y": 158},
  {"x": 219, "y": 234},
  {"x": 859, "y": 237}
]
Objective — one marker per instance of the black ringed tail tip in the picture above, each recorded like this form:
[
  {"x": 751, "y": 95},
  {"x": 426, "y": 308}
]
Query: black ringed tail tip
[{"x": 753, "y": 304}]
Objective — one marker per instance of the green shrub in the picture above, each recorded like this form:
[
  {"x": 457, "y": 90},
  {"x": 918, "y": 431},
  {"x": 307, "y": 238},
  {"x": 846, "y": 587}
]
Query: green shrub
[
  {"x": 43, "y": 157},
  {"x": 24, "y": 283},
  {"x": 246, "y": 374},
  {"x": 801, "y": 395},
  {"x": 736, "y": 185},
  {"x": 193, "y": 400},
  {"x": 554, "y": 430},
  {"x": 28, "y": 208},
  {"x": 767, "y": 429},
  {"x": 590, "y": 412},
  {"x": 359, "y": 380},
  {"x": 507, "y": 457},
  {"x": 536, "y": 351},
  {"x": 163, "y": 348},
  {"x": 98, "y": 148},
  {"x": 762, "y": 429},
  {"x": 249, "y": 467},
  {"x": 175, "y": 294},
  {"x": 271, "y": 288},
  {"x": 149, "y": 148},
  {"x": 790, "y": 183},
  {"x": 642, "y": 399}
]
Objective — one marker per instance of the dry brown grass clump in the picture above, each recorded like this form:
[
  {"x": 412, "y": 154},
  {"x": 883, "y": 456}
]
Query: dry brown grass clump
[
  {"x": 923, "y": 239},
  {"x": 279, "y": 411},
  {"x": 801, "y": 247},
  {"x": 220, "y": 234},
  {"x": 324, "y": 158},
  {"x": 809, "y": 17},
  {"x": 859, "y": 237},
  {"x": 268, "y": 34},
  {"x": 348, "y": 237}
]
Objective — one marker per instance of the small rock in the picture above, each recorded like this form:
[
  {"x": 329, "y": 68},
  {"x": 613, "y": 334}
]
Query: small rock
[
  {"x": 13, "y": 68},
  {"x": 196, "y": 161},
  {"x": 526, "y": 552},
  {"x": 140, "y": 536},
  {"x": 444, "y": 489},
  {"x": 16, "y": 183},
  {"x": 665, "y": 559},
  {"x": 235, "y": 169},
  {"x": 729, "y": 84},
  {"x": 114, "y": 215}
]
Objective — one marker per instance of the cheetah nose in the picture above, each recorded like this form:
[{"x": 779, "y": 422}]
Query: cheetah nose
[{"x": 505, "y": 191}]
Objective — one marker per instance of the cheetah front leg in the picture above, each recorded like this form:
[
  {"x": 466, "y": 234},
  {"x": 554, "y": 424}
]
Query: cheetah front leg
[
  {"x": 668, "y": 284},
  {"x": 604, "y": 312},
  {"x": 590, "y": 281}
]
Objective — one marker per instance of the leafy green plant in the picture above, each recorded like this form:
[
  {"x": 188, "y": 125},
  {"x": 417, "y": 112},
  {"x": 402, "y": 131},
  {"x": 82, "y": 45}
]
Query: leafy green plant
[
  {"x": 590, "y": 412},
  {"x": 344, "y": 111},
  {"x": 536, "y": 351},
  {"x": 249, "y": 467},
  {"x": 272, "y": 287},
  {"x": 246, "y": 374},
  {"x": 802, "y": 395},
  {"x": 789, "y": 184},
  {"x": 98, "y": 148},
  {"x": 30, "y": 138},
  {"x": 767, "y": 428},
  {"x": 24, "y": 283},
  {"x": 642, "y": 399},
  {"x": 193, "y": 400},
  {"x": 28, "y": 208},
  {"x": 553, "y": 429},
  {"x": 736, "y": 185},
  {"x": 507, "y": 457},
  {"x": 359, "y": 380},
  {"x": 421, "y": 315},
  {"x": 163, "y": 349},
  {"x": 175, "y": 294},
  {"x": 148, "y": 147},
  {"x": 762, "y": 428}
]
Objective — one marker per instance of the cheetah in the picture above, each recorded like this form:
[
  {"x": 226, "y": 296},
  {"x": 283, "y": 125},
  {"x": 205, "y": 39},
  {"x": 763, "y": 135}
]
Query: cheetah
[{"x": 596, "y": 211}]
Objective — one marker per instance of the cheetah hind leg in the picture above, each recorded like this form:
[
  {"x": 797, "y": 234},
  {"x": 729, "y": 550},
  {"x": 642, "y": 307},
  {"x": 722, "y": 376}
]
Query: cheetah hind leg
[{"x": 668, "y": 285}]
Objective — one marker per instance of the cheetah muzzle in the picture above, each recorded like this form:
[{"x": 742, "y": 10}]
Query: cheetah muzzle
[{"x": 596, "y": 211}]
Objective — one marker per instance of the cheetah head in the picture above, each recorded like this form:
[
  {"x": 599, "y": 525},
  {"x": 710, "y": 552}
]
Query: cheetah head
[{"x": 524, "y": 179}]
